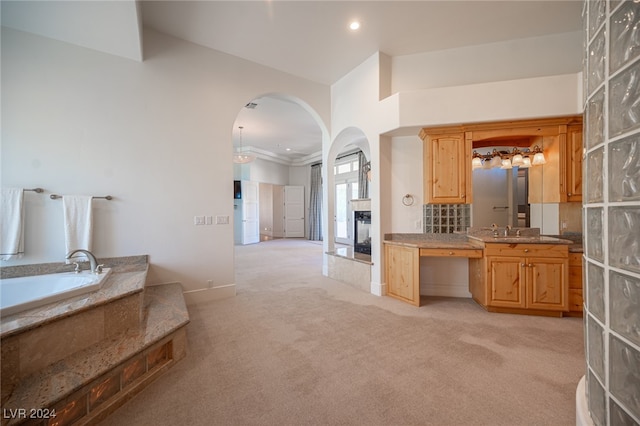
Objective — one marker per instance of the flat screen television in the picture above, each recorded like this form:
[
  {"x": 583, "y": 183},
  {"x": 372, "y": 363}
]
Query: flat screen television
[{"x": 237, "y": 190}]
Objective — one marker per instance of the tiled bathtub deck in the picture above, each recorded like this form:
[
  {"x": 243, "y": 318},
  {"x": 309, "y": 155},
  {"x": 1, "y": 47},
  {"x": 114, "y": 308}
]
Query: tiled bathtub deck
[{"x": 88, "y": 384}]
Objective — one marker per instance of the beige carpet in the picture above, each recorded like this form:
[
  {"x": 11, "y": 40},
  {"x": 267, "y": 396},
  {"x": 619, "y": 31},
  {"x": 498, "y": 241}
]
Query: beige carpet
[{"x": 296, "y": 348}]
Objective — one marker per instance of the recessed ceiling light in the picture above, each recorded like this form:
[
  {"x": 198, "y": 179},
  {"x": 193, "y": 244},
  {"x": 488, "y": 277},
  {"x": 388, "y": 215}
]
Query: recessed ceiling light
[
  {"x": 288, "y": 149},
  {"x": 354, "y": 25}
]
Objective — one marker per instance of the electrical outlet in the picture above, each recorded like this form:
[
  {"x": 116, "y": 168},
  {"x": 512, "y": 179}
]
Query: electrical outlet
[
  {"x": 198, "y": 220},
  {"x": 210, "y": 283},
  {"x": 222, "y": 220},
  {"x": 208, "y": 220}
]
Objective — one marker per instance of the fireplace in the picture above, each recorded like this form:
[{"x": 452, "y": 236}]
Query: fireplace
[{"x": 361, "y": 234}]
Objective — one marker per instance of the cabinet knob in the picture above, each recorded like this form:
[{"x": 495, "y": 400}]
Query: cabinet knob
[
  {"x": 450, "y": 253},
  {"x": 526, "y": 250},
  {"x": 523, "y": 265},
  {"x": 570, "y": 194},
  {"x": 530, "y": 265}
]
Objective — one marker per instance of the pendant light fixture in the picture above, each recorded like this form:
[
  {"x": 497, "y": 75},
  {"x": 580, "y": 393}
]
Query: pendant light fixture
[{"x": 239, "y": 157}]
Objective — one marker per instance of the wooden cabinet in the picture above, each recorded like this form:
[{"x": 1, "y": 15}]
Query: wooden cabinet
[
  {"x": 575, "y": 284},
  {"x": 402, "y": 267},
  {"x": 447, "y": 162},
  {"x": 448, "y": 151},
  {"x": 525, "y": 278},
  {"x": 402, "y": 273},
  {"x": 573, "y": 162}
]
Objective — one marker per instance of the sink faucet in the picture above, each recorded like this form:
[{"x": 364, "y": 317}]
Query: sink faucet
[
  {"x": 506, "y": 230},
  {"x": 494, "y": 227},
  {"x": 95, "y": 268}
]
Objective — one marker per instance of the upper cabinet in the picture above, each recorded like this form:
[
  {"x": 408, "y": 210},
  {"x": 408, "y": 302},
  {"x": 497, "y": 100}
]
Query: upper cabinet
[
  {"x": 573, "y": 163},
  {"x": 447, "y": 159},
  {"x": 448, "y": 153}
]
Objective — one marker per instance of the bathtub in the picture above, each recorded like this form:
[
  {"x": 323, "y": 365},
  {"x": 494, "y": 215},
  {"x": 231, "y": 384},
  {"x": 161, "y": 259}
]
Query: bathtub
[{"x": 23, "y": 293}]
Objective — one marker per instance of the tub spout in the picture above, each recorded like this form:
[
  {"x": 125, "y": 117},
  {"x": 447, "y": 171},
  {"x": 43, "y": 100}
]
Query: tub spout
[{"x": 95, "y": 268}]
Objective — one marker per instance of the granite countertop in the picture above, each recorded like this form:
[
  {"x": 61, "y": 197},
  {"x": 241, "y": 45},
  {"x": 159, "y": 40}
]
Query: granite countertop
[
  {"x": 540, "y": 239},
  {"x": 446, "y": 241},
  {"x": 477, "y": 240},
  {"x": 576, "y": 245}
]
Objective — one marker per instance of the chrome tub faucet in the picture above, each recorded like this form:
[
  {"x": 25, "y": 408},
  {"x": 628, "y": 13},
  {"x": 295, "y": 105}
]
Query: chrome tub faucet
[{"x": 95, "y": 268}]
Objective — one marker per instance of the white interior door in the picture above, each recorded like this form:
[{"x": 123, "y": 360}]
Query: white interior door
[
  {"x": 278, "y": 211},
  {"x": 250, "y": 213},
  {"x": 294, "y": 211}
]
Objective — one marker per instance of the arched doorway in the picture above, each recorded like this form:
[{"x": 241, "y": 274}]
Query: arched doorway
[
  {"x": 282, "y": 135},
  {"x": 341, "y": 183}
]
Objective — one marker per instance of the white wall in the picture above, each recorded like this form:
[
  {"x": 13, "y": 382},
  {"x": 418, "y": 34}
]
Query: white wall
[
  {"x": 264, "y": 171},
  {"x": 553, "y": 55},
  {"x": 156, "y": 135},
  {"x": 356, "y": 113},
  {"x": 406, "y": 178}
]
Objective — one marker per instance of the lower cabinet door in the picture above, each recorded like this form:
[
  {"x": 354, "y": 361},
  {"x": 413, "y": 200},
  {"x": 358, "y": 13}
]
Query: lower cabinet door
[
  {"x": 547, "y": 279},
  {"x": 506, "y": 282},
  {"x": 402, "y": 273}
]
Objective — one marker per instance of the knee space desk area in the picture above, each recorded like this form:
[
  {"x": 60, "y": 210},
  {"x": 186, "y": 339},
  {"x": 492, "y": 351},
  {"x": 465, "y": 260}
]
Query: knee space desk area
[{"x": 525, "y": 274}]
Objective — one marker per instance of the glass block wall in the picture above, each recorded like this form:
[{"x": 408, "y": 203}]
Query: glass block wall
[
  {"x": 612, "y": 210},
  {"x": 446, "y": 218}
]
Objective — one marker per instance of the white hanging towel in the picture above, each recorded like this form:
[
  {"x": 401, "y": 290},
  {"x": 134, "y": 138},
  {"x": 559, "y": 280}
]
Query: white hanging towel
[
  {"x": 12, "y": 223},
  {"x": 78, "y": 224}
]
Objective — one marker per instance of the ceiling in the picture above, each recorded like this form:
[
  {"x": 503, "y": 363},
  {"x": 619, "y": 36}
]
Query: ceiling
[{"x": 309, "y": 39}]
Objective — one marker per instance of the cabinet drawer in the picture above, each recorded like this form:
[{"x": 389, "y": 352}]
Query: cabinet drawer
[
  {"x": 526, "y": 250},
  {"x": 471, "y": 253}
]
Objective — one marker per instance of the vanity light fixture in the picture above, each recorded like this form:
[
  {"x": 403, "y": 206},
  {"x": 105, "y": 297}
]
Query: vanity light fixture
[
  {"x": 239, "y": 157},
  {"x": 507, "y": 160}
]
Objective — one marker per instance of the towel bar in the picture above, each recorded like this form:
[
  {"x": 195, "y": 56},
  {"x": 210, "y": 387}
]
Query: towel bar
[{"x": 56, "y": 196}]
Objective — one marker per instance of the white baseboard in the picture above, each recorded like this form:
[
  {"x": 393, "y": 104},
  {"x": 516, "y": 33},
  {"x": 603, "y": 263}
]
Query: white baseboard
[
  {"x": 378, "y": 289},
  {"x": 582, "y": 411},
  {"x": 208, "y": 294}
]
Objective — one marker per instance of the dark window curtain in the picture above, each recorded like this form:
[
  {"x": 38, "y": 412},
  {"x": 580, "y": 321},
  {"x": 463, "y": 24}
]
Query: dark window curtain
[
  {"x": 363, "y": 182},
  {"x": 315, "y": 204}
]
